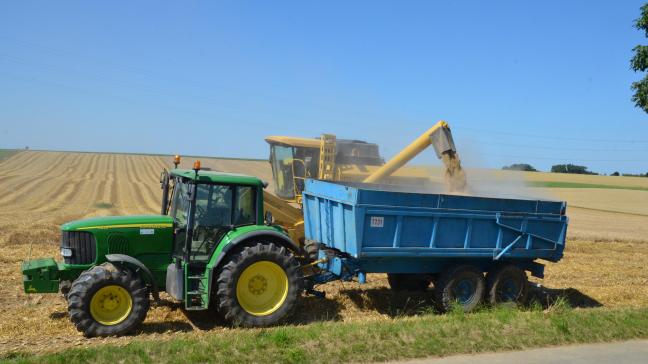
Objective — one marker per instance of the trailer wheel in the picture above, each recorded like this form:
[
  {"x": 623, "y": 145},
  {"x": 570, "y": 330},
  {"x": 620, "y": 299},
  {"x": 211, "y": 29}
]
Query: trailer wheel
[
  {"x": 107, "y": 300},
  {"x": 461, "y": 284},
  {"x": 258, "y": 286},
  {"x": 408, "y": 282},
  {"x": 507, "y": 283}
]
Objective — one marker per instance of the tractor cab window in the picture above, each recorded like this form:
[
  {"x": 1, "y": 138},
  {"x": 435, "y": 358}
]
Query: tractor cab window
[
  {"x": 244, "y": 211},
  {"x": 180, "y": 205},
  {"x": 179, "y": 211},
  {"x": 219, "y": 208}
]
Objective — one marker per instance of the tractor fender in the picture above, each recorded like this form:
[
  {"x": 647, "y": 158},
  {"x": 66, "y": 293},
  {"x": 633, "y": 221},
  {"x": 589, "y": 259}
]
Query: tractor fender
[
  {"x": 132, "y": 263},
  {"x": 277, "y": 237}
]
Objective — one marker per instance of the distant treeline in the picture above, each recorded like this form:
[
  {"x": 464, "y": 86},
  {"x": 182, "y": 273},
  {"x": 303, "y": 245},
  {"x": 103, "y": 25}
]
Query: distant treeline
[{"x": 565, "y": 168}]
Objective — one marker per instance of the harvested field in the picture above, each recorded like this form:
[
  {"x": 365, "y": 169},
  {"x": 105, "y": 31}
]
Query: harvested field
[{"x": 40, "y": 190}]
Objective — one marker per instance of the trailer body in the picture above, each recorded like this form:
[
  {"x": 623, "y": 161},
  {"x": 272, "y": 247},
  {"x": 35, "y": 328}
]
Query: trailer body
[{"x": 373, "y": 229}]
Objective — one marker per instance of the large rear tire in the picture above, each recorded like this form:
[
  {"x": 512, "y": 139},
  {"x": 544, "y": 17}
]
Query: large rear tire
[
  {"x": 258, "y": 286},
  {"x": 408, "y": 282},
  {"x": 507, "y": 283},
  {"x": 463, "y": 285},
  {"x": 107, "y": 300}
]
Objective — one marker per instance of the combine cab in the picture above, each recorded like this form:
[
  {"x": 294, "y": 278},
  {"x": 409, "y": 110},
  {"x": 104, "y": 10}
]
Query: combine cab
[{"x": 295, "y": 159}]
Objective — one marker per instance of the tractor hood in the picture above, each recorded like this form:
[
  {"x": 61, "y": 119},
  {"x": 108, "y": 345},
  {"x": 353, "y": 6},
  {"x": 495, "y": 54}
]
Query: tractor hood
[{"x": 114, "y": 222}]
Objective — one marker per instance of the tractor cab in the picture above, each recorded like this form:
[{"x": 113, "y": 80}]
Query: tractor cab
[
  {"x": 205, "y": 206},
  {"x": 211, "y": 209}
]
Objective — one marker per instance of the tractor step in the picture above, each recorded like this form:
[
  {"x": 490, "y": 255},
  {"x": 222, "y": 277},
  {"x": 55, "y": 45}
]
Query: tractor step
[
  {"x": 195, "y": 308},
  {"x": 197, "y": 294}
]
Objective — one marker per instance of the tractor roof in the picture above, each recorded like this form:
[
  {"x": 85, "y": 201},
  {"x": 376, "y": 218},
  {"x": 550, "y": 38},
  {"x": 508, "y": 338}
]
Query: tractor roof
[{"x": 206, "y": 176}]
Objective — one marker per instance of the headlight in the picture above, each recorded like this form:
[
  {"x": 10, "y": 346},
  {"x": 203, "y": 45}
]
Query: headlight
[{"x": 66, "y": 252}]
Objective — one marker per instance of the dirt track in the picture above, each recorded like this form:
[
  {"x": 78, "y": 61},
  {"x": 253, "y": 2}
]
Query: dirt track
[{"x": 41, "y": 190}]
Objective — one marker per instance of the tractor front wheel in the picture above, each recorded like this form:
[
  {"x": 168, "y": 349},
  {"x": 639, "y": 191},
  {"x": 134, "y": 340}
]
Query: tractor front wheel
[
  {"x": 107, "y": 300},
  {"x": 258, "y": 286}
]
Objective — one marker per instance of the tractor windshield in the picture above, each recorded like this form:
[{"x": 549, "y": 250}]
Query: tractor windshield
[{"x": 219, "y": 208}]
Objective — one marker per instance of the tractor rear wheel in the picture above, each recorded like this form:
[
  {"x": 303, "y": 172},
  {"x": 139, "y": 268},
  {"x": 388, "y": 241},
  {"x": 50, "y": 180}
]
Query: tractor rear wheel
[
  {"x": 258, "y": 286},
  {"x": 408, "y": 282},
  {"x": 107, "y": 300},
  {"x": 461, "y": 284}
]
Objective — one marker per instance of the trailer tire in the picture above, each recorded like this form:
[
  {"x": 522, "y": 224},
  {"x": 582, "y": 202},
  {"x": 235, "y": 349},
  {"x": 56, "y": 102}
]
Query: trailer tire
[
  {"x": 107, "y": 300},
  {"x": 244, "y": 287},
  {"x": 462, "y": 284},
  {"x": 507, "y": 283},
  {"x": 408, "y": 282}
]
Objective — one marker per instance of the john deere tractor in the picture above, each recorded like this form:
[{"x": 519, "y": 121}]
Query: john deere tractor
[{"x": 211, "y": 245}]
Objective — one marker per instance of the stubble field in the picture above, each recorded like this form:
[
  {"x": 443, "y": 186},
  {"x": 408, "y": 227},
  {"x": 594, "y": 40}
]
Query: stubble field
[{"x": 604, "y": 263}]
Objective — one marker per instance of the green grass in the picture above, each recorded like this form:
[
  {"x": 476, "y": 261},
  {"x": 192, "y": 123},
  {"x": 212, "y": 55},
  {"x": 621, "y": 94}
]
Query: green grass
[
  {"x": 104, "y": 205},
  {"x": 401, "y": 338},
  {"x": 6, "y": 153},
  {"x": 555, "y": 184}
]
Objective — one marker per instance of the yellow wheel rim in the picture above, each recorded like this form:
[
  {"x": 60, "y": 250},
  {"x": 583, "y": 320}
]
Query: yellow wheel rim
[
  {"x": 110, "y": 305},
  {"x": 262, "y": 288}
]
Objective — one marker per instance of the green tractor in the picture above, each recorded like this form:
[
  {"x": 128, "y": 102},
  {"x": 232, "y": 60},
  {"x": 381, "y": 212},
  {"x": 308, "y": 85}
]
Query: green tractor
[{"x": 211, "y": 246}]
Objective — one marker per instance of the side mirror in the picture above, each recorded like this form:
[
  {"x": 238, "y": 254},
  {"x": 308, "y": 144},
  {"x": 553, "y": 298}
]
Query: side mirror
[{"x": 268, "y": 218}]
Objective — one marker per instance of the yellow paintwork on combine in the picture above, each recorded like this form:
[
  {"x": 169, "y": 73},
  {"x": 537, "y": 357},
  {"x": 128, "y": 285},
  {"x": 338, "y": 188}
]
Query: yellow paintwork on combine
[
  {"x": 262, "y": 288},
  {"x": 111, "y": 305},
  {"x": 286, "y": 214},
  {"x": 294, "y": 141},
  {"x": 405, "y": 155}
]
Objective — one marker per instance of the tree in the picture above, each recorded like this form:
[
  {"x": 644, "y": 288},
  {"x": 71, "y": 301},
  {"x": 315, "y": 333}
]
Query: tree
[
  {"x": 639, "y": 63},
  {"x": 570, "y": 168},
  {"x": 616, "y": 174},
  {"x": 520, "y": 167}
]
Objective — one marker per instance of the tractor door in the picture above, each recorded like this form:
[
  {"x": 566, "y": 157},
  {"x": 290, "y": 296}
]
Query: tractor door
[{"x": 203, "y": 216}]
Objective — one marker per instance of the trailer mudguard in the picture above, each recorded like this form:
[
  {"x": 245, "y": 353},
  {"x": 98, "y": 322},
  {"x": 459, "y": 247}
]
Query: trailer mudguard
[{"x": 134, "y": 264}]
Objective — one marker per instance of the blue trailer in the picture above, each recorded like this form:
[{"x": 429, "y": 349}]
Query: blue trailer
[{"x": 470, "y": 248}]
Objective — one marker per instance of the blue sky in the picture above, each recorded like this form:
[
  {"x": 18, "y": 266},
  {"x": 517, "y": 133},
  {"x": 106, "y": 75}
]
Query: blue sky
[{"x": 542, "y": 82}]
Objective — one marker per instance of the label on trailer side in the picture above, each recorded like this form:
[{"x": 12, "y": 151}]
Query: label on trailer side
[
  {"x": 377, "y": 221},
  {"x": 147, "y": 231}
]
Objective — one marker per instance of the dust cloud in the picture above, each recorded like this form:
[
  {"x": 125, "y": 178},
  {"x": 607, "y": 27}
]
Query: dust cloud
[{"x": 455, "y": 176}]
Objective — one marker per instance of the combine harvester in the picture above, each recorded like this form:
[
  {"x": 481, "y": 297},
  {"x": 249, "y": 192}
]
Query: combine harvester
[
  {"x": 213, "y": 246},
  {"x": 294, "y": 159}
]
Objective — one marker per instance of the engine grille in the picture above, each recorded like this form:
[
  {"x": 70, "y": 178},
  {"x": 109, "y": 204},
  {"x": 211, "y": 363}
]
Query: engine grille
[{"x": 83, "y": 247}]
